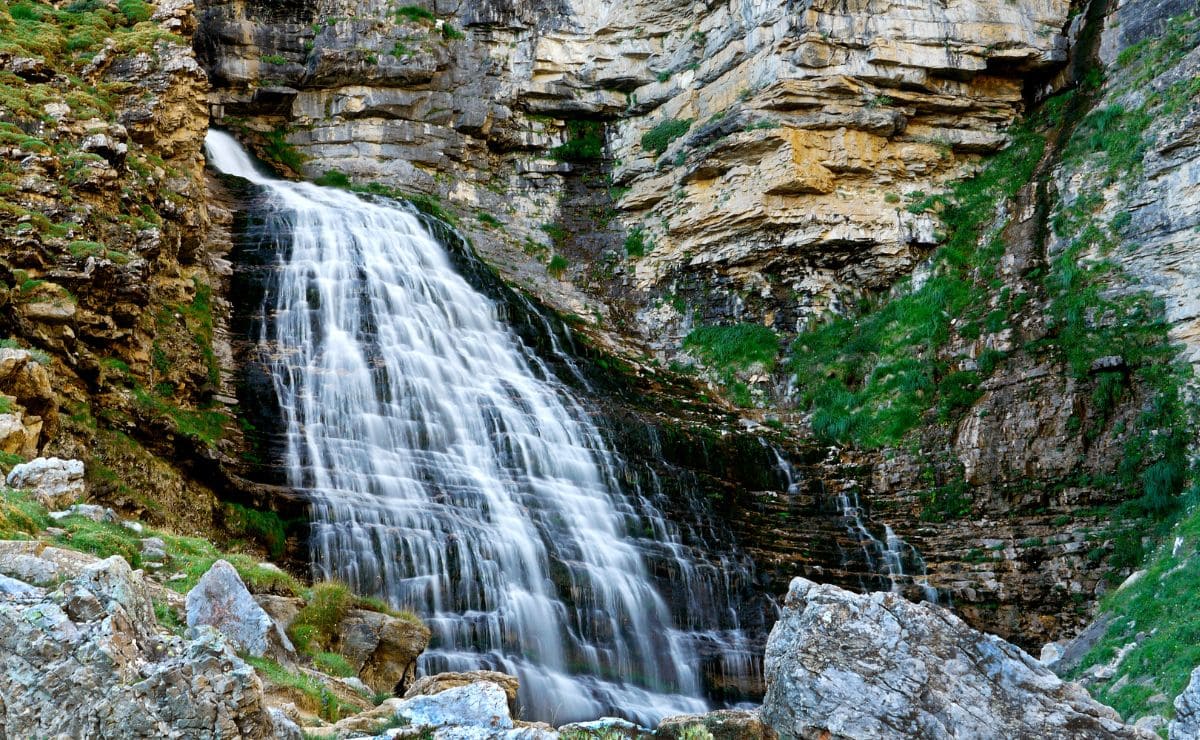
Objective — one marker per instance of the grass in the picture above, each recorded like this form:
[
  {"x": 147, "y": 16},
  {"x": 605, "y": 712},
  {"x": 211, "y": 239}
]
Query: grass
[
  {"x": 334, "y": 664},
  {"x": 312, "y": 629},
  {"x": 263, "y": 526},
  {"x": 731, "y": 350},
  {"x": 557, "y": 266},
  {"x": 21, "y": 516},
  {"x": 414, "y": 14},
  {"x": 657, "y": 139},
  {"x": 311, "y": 693},
  {"x": 334, "y": 179},
  {"x": 585, "y": 142},
  {"x": 869, "y": 378},
  {"x": 277, "y": 149},
  {"x": 637, "y": 243}
]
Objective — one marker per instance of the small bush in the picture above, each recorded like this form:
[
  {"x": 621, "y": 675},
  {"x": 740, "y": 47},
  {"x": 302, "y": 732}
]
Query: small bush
[
  {"x": 135, "y": 11},
  {"x": 450, "y": 33},
  {"x": 657, "y": 139},
  {"x": 277, "y": 149},
  {"x": 313, "y": 626},
  {"x": 264, "y": 526},
  {"x": 333, "y": 179},
  {"x": 585, "y": 142},
  {"x": 636, "y": 244},
  {"x": 557, "y": 266},
  {"x": 273, "y": 59},
  {"x": 414, "y": 14}
]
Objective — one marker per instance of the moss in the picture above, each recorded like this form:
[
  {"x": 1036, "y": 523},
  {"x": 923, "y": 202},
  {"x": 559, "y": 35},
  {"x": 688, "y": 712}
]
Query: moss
[{"x": 263, "y": 526}]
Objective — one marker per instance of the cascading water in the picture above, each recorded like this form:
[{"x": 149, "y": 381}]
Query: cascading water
[
  {"x": 451, "y": 473},
  {"x": 894, "y": 561}
]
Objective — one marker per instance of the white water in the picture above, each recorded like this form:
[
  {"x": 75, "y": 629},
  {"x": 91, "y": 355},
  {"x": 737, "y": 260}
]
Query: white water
[{"x": 452, "y": 474}]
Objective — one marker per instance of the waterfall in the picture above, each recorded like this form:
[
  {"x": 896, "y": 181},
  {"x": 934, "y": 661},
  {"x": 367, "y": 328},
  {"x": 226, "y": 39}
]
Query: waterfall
[
  {"x": 893, "y": 560},
  {"x": 451, "y": 473}
]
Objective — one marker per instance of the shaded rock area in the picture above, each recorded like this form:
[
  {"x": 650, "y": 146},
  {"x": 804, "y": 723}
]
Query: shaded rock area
[
  {"x": 86, "y": 659},
  {"x": 849, "y": 666}
]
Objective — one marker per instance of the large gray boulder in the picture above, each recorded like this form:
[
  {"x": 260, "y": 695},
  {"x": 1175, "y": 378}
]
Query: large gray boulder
[
  {"x": 1186, "y": 725},
  {"x": 55, "y": 483},
  {"x": 221, "y": 600},
  {"x": 87, "y": 660},
  {"x": 845, "y": 665}
]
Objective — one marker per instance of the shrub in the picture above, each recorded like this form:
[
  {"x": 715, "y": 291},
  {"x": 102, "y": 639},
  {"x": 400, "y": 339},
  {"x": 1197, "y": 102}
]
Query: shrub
[
  {"x": 277, "y": 149},
  {"x": 414, "y": 14},
  {"x": 313, "y": 626},
  {"x": 265, "y": 526},
  {"x": 451, "y": 33},
  {"x": 657, "y": 139},
  {"x": 333, "y": 179},
  {"x": 135, "y": 11},
  {"x": 557, "y": 266},
  {"x": 636, "y": 244},
  {"x": 585, "y": 142}
]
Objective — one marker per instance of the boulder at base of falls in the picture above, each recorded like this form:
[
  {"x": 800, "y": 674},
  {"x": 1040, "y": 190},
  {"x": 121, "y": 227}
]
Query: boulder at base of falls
[
  {"x": 86, "y": 659},
  {"x": 221, "y": 600},
  {"x": 845, "y": 665},
  {"x": 436, "y": 684}
]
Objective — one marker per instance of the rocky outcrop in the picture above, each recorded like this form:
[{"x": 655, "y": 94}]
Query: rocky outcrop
[
  {"x": 849, "y": 666},
  {"x": 437, "y": 683},
  {"x": 1186, "y": 725},
  {"x": 55, "y": 483},
  {"x": 382, "y": 648},
  {"x": 221, "y": 600},
  {"x": 29, "y": 412},
  {"x": 725, "y": 724},
  {"x": 87, "y": 659}
]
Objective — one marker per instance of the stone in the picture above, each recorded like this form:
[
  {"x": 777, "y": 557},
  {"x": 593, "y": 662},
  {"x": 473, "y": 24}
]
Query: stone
[
  {"x": 87, "y": 511},
  {"x": 153, "y": 548},
  {"x": 102, "y": 669},
  {"x": 1052, "y": 652},
  {"x": 724, "y": 724},
  {"x": 221, "y": 600},
  {"x": 866, "y": 666},
  {"x": 382, "y": 648},
  {"x": 606, "y": 727},
  {"x": 437, "y": 683},
  {"x": 480, "y": 705},
  {"x": 1186, "y": 725},
  {"x": 56, "y": 483},
  {"x": 285, "y": 728},
  {"x": 12, "y": 587}
]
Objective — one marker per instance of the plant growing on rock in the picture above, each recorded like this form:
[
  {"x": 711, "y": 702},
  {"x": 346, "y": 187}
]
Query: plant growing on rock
[{"x": 657, "y": 139}]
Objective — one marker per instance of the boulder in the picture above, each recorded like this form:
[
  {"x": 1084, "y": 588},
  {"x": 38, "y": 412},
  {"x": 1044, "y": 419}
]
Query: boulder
[
  {"x": 382, "y": 648},
  {"x": 56, "y": 483},
  {"x": 723, "y": 724},
  {"x": 436, "y": 684},
  {"x": 87, "y": 660},
  {"x": 221, "y": 600},
  {"x": 609, "y": 728},
  {"x": 477, "y": 705},
  {"x": 1186, "y": 725},
  {"x": 845, "y": 665}
]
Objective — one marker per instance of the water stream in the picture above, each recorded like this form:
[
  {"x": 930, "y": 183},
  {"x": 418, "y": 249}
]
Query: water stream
[{"x": 451, "y": 473}]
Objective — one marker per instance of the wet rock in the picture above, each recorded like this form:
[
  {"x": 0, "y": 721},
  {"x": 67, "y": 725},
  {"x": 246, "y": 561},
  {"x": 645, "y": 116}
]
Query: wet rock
[
  {"x": 221, "y": 600},
  {"x": 876, "y": 665},
  {"x": 56, "y": 483},
  {"x": 429, "y": 685}
]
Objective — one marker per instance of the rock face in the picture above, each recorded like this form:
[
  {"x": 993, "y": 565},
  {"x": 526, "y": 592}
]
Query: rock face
[
  {"x": 56, "y": 483},
  {"x": 849, "y": 666},
  {"x": 221, "y": 600},
  {"x": 382, "y": 648},
  {"x": 1186, "y": 725},
  {"x": 86, "y": 660},
  {"x": 29, "y": 415},
  {"x": 726, "y": 724}
]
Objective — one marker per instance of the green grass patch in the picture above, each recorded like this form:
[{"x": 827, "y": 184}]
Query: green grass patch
[
  {"x": 21, "y": 516},
  {"x": 414, "y": 14},
  {"x": 263, "y": 526},
  {"x": 277, "y": 149},
  {"x": 557, "y": 266},
  {"x": 312, "y": 629},
  {"x": 637, "y": 243},
  {"x": 730, "y": 350},
  {"x": 585, "y": 142},
  {"x": 333, "y": 179},
  {"x": 657, "y": 139},
  {"x": 334, "y": 664},
  {"x": 312, "y": 694}
]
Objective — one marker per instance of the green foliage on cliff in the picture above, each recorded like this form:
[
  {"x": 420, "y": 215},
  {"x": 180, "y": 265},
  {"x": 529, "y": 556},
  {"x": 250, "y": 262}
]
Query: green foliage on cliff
[
  {"x": 869, "y": 377},
  {"x": 313, "y": 627},
  {"x": 21, "y": 516},
  {"x": 657, "y": 139},
  {"x": 585, "y": 142},
  {"x": 262, "y": 526},
  {"x": 731, "y": 350},
  {"x": 414, "y": 14},
  {"x": 310, "y": 692}
]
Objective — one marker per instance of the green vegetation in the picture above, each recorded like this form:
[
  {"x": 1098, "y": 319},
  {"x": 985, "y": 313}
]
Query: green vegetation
[
  {"x": 334, "y": 179},
  {"x": 729, "y": 350},
  {"x": 450, "y": 33},
  {"x": 21, "y": 516},
  {"x": 276, "y": 149},
  {"x": 273, "y": 59},
  {"x": 869, "y": 378},
  {"x": 334, "y": 665},
  {"x": 263, "y": 526},
  {"x": 585, "y": 142},
  {"x": 414, "y": 14},
  {"x": 310, "y": 693},
  {"x": 637, "y": 243},
  {"x": 488, "y": 220},
  {"x": 312, "y": 629},
  {"x": 657, "y": 139},
  {"x": 557, "y": 266}
]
